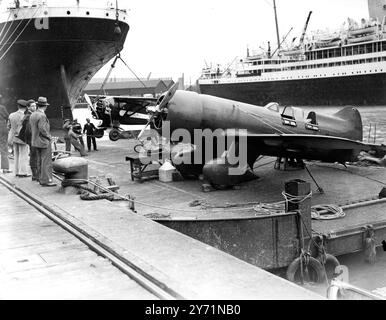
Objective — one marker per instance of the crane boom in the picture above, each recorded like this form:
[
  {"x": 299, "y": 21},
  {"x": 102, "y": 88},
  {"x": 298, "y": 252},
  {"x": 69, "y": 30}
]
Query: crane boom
[{"x": 305, "y": 29}]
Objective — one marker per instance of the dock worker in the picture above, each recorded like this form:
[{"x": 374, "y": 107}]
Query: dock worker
[
  {"x": 66, "y": 128},
  {"x": 4, "y": 116},
  {"x": 75, "y": 132},
  {"x": 89, "y": 129},
  {"x": 41, "y": 140},
  {"x": 20, "y": 148},
  {"x": 78, "y": 128}
]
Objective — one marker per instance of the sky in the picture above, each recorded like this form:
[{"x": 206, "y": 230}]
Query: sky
[{"x": 172, "y": 37}]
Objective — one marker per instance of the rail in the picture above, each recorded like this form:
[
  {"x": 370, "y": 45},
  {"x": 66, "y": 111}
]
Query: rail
[
  {"x": 145, "y": 280},
  {"x": 338, "y": 286}
]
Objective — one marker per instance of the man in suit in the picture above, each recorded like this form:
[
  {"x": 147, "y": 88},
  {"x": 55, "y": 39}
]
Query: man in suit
[
  {"x": 90, "y": 129},
  {"x": 41, "y": 140},
  {"x": 26, "y": 136},
  {"x": 20, "y": 147},
  {"x": 4, "y": 115}
]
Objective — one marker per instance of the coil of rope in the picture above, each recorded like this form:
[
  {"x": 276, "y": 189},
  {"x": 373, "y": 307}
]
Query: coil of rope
[
  {"x": 318, "y": 212},
  {"x": 327, "y": 212},
  {"x": 88, "y": 194}
]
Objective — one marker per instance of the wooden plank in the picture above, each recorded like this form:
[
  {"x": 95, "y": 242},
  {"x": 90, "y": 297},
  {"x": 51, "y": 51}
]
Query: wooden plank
[
  {"x": 94, "y": 265},
  {"x": 41, "y": 248},
  {"x": 13, "y": 242}
]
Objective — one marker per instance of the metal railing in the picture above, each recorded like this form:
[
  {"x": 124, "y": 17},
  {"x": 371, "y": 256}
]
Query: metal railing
[{"x": 339, "y": 288}]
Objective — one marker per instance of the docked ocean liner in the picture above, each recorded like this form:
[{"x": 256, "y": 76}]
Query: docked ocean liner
[
  {"x": 54, "y": 50},
  {"x": 340, "y": 68}
]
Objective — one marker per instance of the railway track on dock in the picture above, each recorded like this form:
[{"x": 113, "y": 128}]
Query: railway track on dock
[{"x": 154, "y": 287}]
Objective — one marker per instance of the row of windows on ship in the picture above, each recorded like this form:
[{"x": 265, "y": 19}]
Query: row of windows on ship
[
  {"x": 347, "y": 51},
  {"x": 312, "y": 66}
]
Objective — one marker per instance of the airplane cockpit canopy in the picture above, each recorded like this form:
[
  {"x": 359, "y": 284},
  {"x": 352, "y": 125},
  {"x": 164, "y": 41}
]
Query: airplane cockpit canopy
[
  {"x": 273, "y": 106},
  {"x": 293, "y": 113},
  {"x": 311, "y": 118}
]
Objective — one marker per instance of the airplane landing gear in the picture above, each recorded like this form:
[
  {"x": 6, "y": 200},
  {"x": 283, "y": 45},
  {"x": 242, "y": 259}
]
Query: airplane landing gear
[
  {"x": 115, "y": 134},
  {"x": 99, "y": 133},
  {"x": 118, "y": 133}
]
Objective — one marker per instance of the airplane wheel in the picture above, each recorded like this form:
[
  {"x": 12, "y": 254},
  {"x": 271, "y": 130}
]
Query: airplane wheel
[
  {"x": 99, "y": 133},
  {"x": 114, "y": 135}
]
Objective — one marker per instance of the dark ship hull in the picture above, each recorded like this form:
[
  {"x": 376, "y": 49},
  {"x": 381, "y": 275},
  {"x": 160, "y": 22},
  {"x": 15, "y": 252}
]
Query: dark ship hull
[
  {"x": 57, "y": 62},
  {"x": 362, "y": 90}
]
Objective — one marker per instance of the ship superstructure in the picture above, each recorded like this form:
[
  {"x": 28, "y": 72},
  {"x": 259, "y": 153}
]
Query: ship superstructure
[{"x": 339, "y": 68}]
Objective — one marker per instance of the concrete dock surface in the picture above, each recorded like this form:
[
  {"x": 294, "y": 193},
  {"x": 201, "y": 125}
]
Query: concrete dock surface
[{"x": 40, "y": 260}]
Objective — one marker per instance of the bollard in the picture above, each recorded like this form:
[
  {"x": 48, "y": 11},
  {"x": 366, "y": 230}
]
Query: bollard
[
  {"x": 72, "y": 168},
  {"x": 300, "y": 188},
  {"x": 131, "y": 203}
]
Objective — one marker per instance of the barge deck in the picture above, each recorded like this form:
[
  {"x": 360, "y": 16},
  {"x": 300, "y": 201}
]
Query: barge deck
[{"x": 227, "y": 219}]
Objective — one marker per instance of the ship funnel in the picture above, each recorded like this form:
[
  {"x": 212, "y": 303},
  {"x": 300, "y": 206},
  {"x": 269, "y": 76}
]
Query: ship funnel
[{"x": 377, "y": 9}]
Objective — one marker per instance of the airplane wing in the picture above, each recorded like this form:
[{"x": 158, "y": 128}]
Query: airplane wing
[
  {"x": 135, "y": 100},
  {"x": 130, "y": 100},
  {"x": 307, "y": 147}
]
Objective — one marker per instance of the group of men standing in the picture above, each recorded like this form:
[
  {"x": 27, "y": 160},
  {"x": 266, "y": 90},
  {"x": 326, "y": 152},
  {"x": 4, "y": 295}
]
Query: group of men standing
[
  {"x": 28, "y": 131},
  {"x": 73, "y": 136}
]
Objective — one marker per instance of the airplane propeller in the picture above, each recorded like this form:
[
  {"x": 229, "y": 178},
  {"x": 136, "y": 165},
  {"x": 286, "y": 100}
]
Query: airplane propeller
[
  {"x": 159, "y": 108},
  {"x": 89, "y": 102}
]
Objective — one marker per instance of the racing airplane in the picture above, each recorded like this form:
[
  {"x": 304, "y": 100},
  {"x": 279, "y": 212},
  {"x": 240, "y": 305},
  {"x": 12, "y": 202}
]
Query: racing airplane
[
  {"x": 115, "y": 111},
  {"x": 274, "y": 130}
]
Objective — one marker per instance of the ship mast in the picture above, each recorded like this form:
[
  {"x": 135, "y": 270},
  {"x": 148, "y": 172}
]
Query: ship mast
[{"x": 277, "y": 26}]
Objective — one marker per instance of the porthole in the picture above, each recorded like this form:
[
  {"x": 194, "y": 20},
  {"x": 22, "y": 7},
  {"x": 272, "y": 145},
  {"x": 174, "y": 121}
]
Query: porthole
[
  {"x": 107, "y": 14},
  {"x": 15, "y": 15},
  {"x": 68, "y": 12},
  {"x": 45, "y": 12},
  {"x": 88, "y": 13}
]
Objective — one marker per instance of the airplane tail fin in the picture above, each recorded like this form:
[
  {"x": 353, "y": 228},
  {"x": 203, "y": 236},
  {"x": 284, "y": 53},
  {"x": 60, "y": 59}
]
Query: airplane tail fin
[{"x": 354, "y": 120}]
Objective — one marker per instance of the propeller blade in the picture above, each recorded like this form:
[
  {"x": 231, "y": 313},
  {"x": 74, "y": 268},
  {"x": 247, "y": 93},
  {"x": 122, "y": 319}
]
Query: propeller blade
[
  {"x": 167, "y": 97},
  {"x": 160, "y": 107},
  {"x": 88, "y": 100},
  {"x": 143, "y": 130}
]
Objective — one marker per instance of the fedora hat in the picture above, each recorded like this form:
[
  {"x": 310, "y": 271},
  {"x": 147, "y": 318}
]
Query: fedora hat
[
  {"x": 22, "y": 103},
  {"x": 42, "y": 101}
]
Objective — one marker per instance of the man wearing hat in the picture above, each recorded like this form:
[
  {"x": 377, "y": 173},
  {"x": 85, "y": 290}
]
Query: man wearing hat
[
  {"x": 25, "y": 135},
  {"x": 20, "y": 148},
  {"x": 41, "y": 140},
  {"x": 4, "y": 115}
]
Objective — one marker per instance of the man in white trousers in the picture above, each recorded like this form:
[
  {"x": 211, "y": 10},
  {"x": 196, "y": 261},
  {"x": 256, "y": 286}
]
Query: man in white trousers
[{"x": 20, "y": 148}]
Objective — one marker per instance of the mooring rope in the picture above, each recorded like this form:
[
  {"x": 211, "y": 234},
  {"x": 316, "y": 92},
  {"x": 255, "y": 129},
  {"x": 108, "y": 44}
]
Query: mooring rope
[{"x": 18, "y": 36}]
